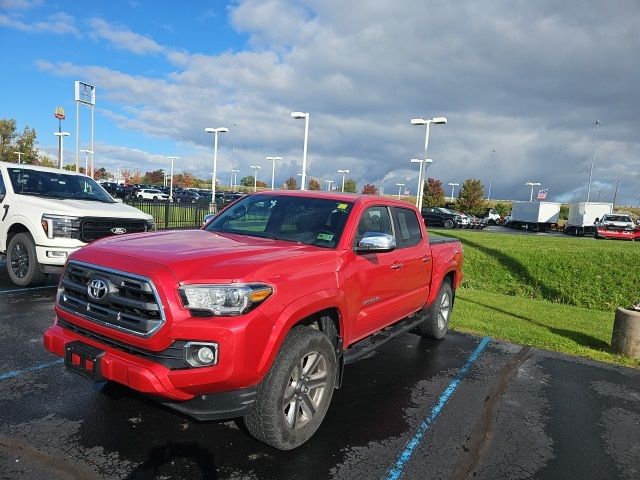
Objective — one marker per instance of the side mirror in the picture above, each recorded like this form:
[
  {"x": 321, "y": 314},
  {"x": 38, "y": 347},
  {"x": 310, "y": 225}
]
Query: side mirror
[
  {"x": 118, "y": 200},
  {"x": 597, "y": 220},
  {"x": 376, "y": 242}
]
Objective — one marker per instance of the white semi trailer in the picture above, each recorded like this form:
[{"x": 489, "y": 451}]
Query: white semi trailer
[
  {"x": 583, "y": 216},
  {"x": 534, "y": 215}
]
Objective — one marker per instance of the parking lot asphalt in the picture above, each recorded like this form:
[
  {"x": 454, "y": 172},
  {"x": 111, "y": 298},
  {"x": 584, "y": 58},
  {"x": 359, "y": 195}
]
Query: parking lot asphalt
[{"x": 410, "y": 411}]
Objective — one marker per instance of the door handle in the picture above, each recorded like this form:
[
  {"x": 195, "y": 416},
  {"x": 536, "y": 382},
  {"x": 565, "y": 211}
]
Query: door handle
[
  {"x": 396, "y": 266},
  {"x": 426, "y": 259}
]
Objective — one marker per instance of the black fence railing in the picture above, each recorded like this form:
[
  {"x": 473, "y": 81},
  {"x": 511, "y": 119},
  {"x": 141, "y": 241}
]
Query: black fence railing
[{"x": 176, "y": 215}]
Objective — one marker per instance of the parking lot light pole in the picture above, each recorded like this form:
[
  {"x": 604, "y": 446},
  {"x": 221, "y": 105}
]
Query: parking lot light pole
[
  {"x": 420, "y": 192},
  {"x": 427, "y": 123},
  {"x": 61, "y": 136},
  {"x": 343, "y": 172},
  {"x": 215, "y": 132},
  {"x": 273, "y": 170},
  {"x": 593, "y": 155},
  {"x": 233, "y": 177},
  {"x": 255, "y": 176},
  {"x": 453, "y": 186},
  {"x": 19, "y": 154},
  {"x": 399, "y": 185},
  {"x": 329, "y": 182},
  {"x": 171, "y": 177},
  {"x": 532, "y": 184},
  {"x": 299, "y": 115},
  {"x": 86, "y": 159}
]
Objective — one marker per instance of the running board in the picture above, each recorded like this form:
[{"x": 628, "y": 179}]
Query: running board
[{"x": 367, "y": 345}]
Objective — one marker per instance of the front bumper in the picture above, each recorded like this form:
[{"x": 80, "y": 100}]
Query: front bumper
[
  {"x": 205, "y": 393},
  {"x": 619, "y": 234},
  {"x": 53, "y": 256}
]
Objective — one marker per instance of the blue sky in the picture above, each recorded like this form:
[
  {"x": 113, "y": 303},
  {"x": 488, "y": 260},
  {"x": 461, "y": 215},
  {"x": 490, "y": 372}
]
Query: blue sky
[{"x": 523, "y": 79}]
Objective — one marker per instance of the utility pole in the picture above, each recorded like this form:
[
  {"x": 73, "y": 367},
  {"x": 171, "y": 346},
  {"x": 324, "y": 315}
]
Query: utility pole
[{"x": 615, "y": 195}]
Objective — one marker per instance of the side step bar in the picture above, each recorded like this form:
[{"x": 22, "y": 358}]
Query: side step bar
[{"x": 367, "y": 345}]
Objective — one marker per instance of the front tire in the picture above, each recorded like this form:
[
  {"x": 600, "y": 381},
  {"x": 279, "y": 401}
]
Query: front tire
[
  {"x": 22, "y": 261},
  {"x": 437, "y": 315},
  {"x": 294, "y": 396}
]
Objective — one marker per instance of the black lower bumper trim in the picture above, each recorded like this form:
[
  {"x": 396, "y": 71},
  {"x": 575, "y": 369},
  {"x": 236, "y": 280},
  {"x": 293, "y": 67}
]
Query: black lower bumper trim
[{"x": 217, "y": 406}]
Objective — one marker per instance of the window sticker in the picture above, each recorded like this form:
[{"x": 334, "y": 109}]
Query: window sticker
[{"x": 326, "y": 237}]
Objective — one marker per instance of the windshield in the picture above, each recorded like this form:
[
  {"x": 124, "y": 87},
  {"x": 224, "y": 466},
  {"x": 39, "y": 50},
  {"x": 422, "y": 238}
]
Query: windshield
[
  {"x": 56, "y": 185},
  {"x": 617, "y": 218},
  {"x": 314, "y": 221}
]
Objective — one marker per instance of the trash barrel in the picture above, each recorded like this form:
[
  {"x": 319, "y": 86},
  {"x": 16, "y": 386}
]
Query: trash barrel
[{"x": 626, "y": 333}]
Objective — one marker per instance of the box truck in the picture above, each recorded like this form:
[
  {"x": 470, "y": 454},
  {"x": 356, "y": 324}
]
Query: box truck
[
  {"x": 584, "y": 215},
  {"x": 534, "y": 215}
]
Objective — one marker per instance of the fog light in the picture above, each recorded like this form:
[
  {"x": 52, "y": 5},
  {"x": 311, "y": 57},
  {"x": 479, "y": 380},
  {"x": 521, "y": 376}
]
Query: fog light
[
  {"x": 201, "y": 354},
  {"x": 56, "y": 254},
  {"x": 206, "y": 355}
]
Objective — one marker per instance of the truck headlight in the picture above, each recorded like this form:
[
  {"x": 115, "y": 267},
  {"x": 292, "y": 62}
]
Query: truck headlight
[
  {"x": 60, "y": 226},
  {"x": 219, "y": 300}
]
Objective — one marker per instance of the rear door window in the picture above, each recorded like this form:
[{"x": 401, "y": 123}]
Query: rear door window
[{"x": 407, "y": 227}]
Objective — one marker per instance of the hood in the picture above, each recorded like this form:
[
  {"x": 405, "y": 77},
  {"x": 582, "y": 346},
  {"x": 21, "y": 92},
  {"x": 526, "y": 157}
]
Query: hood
[
  {"x": 82, "y": 208},
  {"x": 197, "y": 255}
]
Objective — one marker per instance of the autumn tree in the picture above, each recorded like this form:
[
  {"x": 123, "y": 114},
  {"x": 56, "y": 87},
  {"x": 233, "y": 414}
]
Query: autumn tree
[
  {"x": 350, "y": 185},
  {"x": 11, "y": 141},
  {"x": 154, "y": 178},
  {"x": 247, "y": 181},
  {"x": 369, "y": 189},
  {"x": 261, "y": 184},
  {"x": 313, "y": 184},
  {"x": 502, "y": 209},
  {"x": 291, "y": 183},
  {"x": 101, "y": 174},
  {"x": 184, "y": 179},
  {"x": 136, "y": 177},
  {"x": 471, "y": 197},
  {"x": 433, "y": 195}
]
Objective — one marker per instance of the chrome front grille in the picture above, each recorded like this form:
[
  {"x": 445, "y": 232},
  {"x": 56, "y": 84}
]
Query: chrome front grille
[{"x": 124, "y": 301}]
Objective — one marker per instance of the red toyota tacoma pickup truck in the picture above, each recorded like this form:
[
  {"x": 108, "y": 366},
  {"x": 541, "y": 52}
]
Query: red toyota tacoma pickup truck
[{"x": 256, "y": 314}]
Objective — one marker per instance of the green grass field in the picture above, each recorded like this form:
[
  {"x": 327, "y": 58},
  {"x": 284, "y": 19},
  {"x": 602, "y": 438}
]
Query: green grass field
[
  {"x": 599, "y": 274},
  {"x": 554, "y": 293}
]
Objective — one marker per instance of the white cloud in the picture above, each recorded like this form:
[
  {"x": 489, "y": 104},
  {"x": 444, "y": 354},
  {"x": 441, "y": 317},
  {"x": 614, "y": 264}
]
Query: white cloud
[
  {"x": 19, "y": 4},
  {"x": 123, "y": 38},
  {"x": 58, "y": 23},
  {"x": 525, "y": 81}
]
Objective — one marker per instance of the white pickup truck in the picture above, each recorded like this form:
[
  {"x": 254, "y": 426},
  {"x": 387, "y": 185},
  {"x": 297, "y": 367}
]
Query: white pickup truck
[{"x": 46, "y": 214}]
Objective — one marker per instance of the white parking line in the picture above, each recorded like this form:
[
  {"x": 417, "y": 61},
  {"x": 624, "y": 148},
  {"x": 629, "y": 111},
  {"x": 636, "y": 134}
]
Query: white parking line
[{"x": 18, "y": 290}]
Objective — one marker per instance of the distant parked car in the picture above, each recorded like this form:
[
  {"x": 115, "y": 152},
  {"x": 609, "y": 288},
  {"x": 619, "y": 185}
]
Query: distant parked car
[
  {"x": 439, "y": 216},
  {"x": 491, "y": 216},
  {"x": 188, "y": 196},
  {"x": 151, "y": 194},
  {"x": 110, "y": 187}
]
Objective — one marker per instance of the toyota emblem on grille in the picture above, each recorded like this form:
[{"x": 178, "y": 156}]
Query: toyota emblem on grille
[
  {"x": 97, "y": 289},
  {"x": 118, "y": 230}
]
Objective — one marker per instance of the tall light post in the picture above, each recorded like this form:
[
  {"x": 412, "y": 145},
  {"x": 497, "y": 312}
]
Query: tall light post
[
  {"x": 255, "y": 176},
  {"x": 215, "y": 132},
  {"x": 420, "y": 192},
  {"x": 329, "y": 182},
  {"x": 299, "y": 115},
  {"x": 532, "y": 184},
  {"x": 172, "y": 158},
  {"x": 427, "y": 123},
  {"x": 61, "y": 136},
  {"x": 493, "y": 152},
  {"x": 273, "y": 170},
  {"x": 399, "y": 185},
  {"x": 19, "y": 154},
  {"x": 453, "y": 186},
  {"x": 86, "y": 159},
  {"x": 343, "y": 172},
  {"x": 234, "y": 180},
  {"x": 593, "y": 155}
]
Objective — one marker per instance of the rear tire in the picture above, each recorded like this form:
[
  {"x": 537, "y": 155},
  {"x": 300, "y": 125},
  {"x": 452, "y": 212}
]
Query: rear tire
[
  {"x": 448, "y": 223},
  {"x": 437, "y": 315},
  {"x": 22, "y": 261},
  {"x": 294, "y": 396}
]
